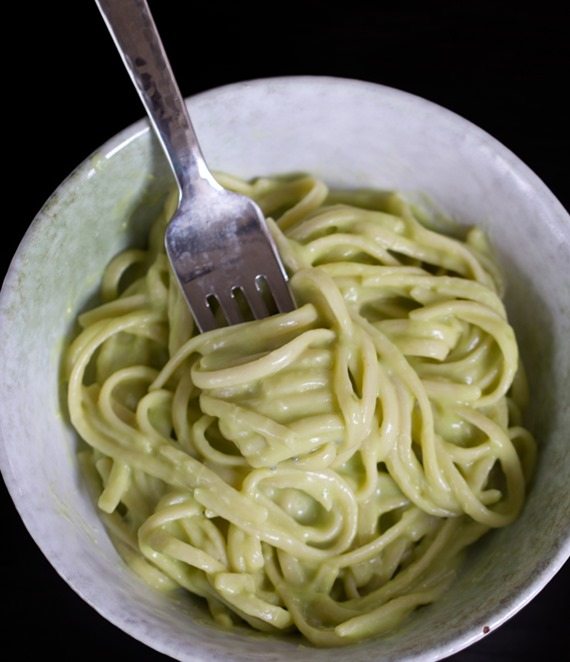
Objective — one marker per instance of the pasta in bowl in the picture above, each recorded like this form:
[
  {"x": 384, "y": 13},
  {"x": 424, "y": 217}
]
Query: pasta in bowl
[{"x": 320, "y": 470}]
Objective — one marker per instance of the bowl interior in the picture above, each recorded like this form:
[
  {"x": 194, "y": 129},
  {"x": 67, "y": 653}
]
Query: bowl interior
[{"x": 350, "y": 134}]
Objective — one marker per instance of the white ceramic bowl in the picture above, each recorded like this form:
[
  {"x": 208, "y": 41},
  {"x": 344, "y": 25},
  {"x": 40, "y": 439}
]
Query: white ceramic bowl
[{"x": 351, "y": 134}]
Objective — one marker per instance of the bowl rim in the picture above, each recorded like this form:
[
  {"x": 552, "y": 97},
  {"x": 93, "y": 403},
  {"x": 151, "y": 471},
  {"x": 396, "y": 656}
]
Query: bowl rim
[{"x": 545, "y": 569}]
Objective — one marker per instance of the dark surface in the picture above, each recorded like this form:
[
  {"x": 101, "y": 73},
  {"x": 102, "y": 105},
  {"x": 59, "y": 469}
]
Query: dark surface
[{"x": 500, "y": 65}]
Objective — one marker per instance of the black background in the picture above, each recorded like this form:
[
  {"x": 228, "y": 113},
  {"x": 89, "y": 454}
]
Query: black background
[{"x": 500, "y": 64}]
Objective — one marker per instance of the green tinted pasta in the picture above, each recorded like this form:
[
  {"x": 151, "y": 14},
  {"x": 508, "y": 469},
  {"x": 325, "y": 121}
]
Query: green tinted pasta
[{"x": 322, "y": 470}]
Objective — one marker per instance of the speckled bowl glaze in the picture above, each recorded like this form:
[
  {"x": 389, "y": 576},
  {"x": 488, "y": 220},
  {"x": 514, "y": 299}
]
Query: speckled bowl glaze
[{"x": 352, "y": 134}]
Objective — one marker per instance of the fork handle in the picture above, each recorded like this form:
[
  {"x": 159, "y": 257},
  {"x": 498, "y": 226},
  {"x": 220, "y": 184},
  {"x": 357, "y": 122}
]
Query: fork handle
[{"x": 134, "y": 32}]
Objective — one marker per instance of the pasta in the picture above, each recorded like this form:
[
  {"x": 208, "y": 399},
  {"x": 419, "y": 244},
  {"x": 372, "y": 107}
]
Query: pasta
[{"x": 319, "y": 471}]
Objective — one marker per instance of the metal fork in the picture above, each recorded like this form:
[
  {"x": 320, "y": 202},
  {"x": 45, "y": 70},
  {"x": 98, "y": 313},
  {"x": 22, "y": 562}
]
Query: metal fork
[{"x": 217, "y": 242}]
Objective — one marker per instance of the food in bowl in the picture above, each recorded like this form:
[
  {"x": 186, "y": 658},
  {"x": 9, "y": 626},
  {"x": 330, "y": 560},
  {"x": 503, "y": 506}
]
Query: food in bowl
[{"x": 322, "y": 470}]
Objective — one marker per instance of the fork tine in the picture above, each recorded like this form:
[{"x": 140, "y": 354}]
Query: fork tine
[
  {"x": 255, "y": 300},
  {"x": 201, "y": 311},
  {"x": 230, "y": 307},
  {"x": 279, "y": 290}
]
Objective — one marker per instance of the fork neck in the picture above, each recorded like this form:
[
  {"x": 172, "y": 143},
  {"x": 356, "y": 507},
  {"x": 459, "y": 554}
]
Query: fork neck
[{"x": 136, "y": 37}]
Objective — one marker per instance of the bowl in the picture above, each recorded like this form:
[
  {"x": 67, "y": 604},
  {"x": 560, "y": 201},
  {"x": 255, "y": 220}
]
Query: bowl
[{"x": 352, "y": 134}]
